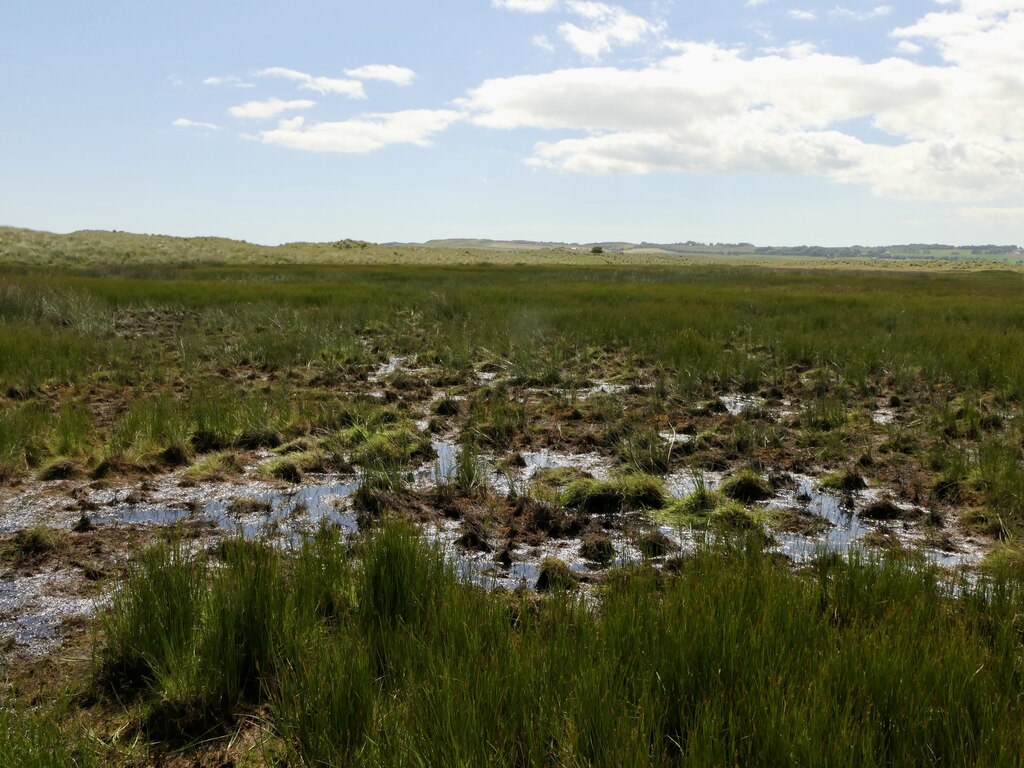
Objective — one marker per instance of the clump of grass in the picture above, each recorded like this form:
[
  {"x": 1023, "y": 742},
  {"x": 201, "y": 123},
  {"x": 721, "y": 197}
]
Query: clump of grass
[
  {"x": 285, "y": 468},
  {"x": 215, "y": 467},
  {"x": 733, "y": 517},
  {"x": 152, "y": 619},
  {"x": 256, "y": 437},
  {"x": 799, "y": 521},
  {"x": 746, "y": 486},
  {"x": 59, "y": 469},
  {"x": 883, "y": 509},
  {"x": 882, "y": 538},
  {"x": 395, "y": 445},
  {"x": 381, "y": 486},
  {"x": 598, "y": 548},
  {"x": 555, "y": 576},
  {"x": 847, "y": 480},
  {"x": 177, "y": 454},
  {"x": 954, "y": 483},
  {"x": 31, "y": 545},
  {"x": 644, "y": 450},
  {"x": 654, "y": 544},
  {"x": 470, "y": 475},
  {"x": 707, "y": 509},
  {"x": 823, "y": 414},
  {"x": 627, "y": 492},
  {"x": 549, "y": 482},
  {"x": 1005, "y": 561},
  {"x": 248, "y": 505},
  {"x": 496, "y": 417}
]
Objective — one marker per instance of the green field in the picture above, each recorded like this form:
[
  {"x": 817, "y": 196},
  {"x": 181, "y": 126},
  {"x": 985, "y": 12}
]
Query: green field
[{"x": 132, "y": 362}]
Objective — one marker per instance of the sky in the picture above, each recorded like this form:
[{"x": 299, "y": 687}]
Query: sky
[{"x": 777, "y": 122}]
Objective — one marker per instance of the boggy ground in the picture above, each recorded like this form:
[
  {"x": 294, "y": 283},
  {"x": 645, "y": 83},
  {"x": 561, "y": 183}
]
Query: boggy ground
[
  {"x": 604, "y": 468},
  {"x": 543, "y": 424}
]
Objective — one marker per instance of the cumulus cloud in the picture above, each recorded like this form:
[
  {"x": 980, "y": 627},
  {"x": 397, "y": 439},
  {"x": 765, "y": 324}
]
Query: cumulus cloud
[
  {"x": 184, "y": 122},
  {"x": 526, "y": 6},
  {"x": 802, "y": 15},
  {"x": 949, "y": 132},
  {"x": 362, "y": 134},
  {"x": 389, "y": 73},
  {"x": 604, "y": 27},
  {"x": 351, "y": 88},
  {"x": 269, "y": 107}
]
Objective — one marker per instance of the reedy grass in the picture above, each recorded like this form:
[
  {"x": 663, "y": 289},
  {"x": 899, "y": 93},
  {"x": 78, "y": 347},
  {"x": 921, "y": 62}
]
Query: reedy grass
[{"x": 381, "y": 655}]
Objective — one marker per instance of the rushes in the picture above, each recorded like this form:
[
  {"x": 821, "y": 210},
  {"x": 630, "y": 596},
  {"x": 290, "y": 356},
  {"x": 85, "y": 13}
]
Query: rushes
[{"x": 387, "y": 658}]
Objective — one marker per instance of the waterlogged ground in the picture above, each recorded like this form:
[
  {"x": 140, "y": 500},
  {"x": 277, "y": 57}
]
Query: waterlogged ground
[{"x": 496, "y": 507}]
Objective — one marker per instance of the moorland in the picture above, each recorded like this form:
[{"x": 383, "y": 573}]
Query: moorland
[{"x": 359, "y": 504}]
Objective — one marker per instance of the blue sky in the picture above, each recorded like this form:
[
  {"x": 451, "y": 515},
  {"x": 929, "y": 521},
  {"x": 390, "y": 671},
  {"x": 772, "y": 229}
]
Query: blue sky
[{"x": 771, "y": 121}]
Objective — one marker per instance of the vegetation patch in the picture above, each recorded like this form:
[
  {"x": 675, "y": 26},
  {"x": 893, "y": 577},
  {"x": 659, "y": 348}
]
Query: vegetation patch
[
  {"x": 215, "y": 467},
  {"x": 598, "y": 548},
  {"x": 555, "y": 576},
  {"x": 627, "y": 492},
  {"x": 31, "y": 546},
  {"x": 848, "y": 480},
  {"x": 359, "y": 655},
  {"x": 746, "y": 486}
]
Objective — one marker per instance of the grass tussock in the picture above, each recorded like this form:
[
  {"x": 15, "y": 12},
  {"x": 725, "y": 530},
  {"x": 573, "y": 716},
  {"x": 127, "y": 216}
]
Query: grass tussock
[
  {"x": 706, "y": 509},
  {"x": 35, "y": 544},
  {"x": 626, "y": 492}
]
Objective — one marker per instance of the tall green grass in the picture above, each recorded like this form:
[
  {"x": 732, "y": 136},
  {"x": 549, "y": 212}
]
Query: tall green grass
[{"x": 381, "y": 655}]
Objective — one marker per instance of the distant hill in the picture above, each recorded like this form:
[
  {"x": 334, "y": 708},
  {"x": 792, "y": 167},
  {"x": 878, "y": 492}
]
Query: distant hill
[{"x": 91, "y": 247}]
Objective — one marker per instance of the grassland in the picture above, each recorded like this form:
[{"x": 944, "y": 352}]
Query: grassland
[{"x": 128, "y": 357}]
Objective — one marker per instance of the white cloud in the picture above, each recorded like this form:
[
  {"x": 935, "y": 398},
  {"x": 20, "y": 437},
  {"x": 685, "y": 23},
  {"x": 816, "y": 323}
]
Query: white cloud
[
  {"x": 605, "y": 26},
  {"x": 995, "y": 215},
  {"x": 184, "y": 122},
  {"x": 873, "y": 13},
  {"x": 351, "y": 88},
  {"x": 801, "y": 15},
  {"x": 269, "y": 107},
  {"x": 232, "y": 80},
  {"x": 387, "y": 72},
  {"x": 951, "y": 132},
  {"x": 363, "y": 134},
  {"x": 526, "y": 6}
]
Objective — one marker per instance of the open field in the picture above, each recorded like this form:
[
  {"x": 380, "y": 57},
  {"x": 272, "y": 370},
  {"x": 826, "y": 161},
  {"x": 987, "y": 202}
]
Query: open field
[{"x": 691, "y": 512}]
